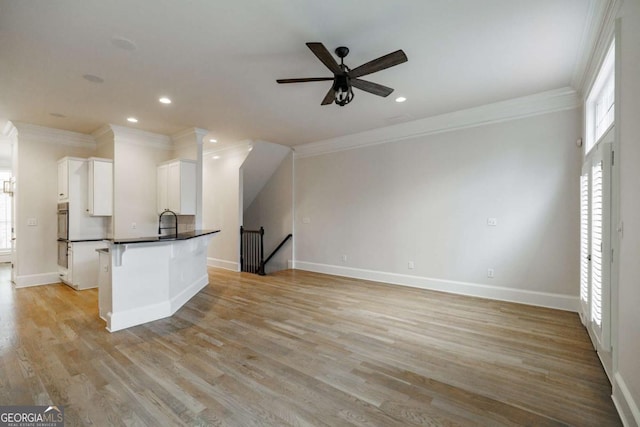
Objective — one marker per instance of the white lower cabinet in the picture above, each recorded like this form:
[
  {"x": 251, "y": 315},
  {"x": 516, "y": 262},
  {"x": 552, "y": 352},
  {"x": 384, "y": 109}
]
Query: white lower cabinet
[{"x": 83, "y": 265}]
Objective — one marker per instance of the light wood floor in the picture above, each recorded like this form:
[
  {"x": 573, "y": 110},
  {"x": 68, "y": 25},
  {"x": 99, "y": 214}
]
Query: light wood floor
[{"x": 297, "y": 348}]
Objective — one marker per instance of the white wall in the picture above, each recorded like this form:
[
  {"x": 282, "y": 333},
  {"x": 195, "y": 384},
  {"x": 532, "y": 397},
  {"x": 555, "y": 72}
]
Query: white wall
[
  {"x": 627, "y": 378},
  {"x": 427, "y": 200},
  {"x": 259, "y": 166},
  {"x": 222, "y": 208},
  {"x": 272, "y": 209},
  {"x": 36, "y": 172}
]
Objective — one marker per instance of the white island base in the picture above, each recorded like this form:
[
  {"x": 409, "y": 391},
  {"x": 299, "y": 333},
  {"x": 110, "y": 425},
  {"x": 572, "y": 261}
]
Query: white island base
[{"x": 142, "y": 281}]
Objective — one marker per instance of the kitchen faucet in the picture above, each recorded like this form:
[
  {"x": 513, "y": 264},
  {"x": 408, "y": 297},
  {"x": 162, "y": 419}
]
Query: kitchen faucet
[{"x": 160, "y": 227}]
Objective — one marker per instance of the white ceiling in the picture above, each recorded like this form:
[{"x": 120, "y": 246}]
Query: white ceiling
[{"x": 218, "y": 61}]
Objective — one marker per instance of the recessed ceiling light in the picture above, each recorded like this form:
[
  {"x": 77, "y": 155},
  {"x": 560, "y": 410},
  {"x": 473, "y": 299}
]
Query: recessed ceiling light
[
  {"x": 250, "y": 148},
  {"x": 93, "y": 78},
  {"x": 213, "y": 140},
  {"x": 132, "y": 119},
  {"x": 401, "y": 99},
  {"x": 122, "y": 43},
  {"x": 215, "y": 157},
  {"x": 164, "y": 100}
]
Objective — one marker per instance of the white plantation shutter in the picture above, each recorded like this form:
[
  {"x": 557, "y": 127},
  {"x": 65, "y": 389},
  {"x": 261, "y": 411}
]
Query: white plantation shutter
[
  {"x": 584, "y": 247},
  {"x": 596, "y": 244}
]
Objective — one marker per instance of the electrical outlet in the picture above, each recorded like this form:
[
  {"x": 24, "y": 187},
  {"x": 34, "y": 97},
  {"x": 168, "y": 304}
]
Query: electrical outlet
[
  {"x": 32, "y": 222},
  {"x": 490, "y": 273},
  {"x": 492, "y": 222},
  {"x": 344, "y": 258},
  {"x": 134, "y": 225},
  {"x": 410, "y": 265}
]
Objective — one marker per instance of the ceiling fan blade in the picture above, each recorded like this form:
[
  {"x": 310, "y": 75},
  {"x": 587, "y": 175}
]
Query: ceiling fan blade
[
  {"x": 329, "y": 97},
  {"x": 371, "y": 87},
  {"x": 389, "y": 60},
  {"x": 325, "y": 56},
  {"x": 307, "y": 79}
]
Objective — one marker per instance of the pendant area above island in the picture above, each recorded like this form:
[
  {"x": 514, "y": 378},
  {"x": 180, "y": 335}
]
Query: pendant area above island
[{"x": 149, "y": 278}]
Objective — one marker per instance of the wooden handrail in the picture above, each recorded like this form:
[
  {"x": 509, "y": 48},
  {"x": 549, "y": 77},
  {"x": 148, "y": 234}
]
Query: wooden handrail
[{"x": 278, "y": 248}]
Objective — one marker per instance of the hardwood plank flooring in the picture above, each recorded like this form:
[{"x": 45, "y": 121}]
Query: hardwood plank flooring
[{"x": 303, "y": 349}]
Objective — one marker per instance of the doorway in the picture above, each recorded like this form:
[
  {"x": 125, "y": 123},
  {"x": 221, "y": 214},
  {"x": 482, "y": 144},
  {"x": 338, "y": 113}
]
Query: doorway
[{"x": 597, "y": 248}]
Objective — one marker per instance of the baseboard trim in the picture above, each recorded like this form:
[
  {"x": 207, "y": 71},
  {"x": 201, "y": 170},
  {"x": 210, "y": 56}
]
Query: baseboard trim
[
  {"x": 222, "y": 263},
  {"x": 37, "y": 280},
  {"x": 138, "y": 316},
  {"x": 181, "y": 299},
  {"x": 541, "y": 299},
  {"x": 626, "y": 406}
]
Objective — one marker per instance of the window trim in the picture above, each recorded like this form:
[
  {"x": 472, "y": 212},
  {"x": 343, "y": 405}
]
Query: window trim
[{"x": 604, "y": 77}]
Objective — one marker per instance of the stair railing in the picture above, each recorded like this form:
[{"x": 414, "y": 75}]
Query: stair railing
[
  {"x": 278, "y": 248},
  {"x": 252, "y": 250}
]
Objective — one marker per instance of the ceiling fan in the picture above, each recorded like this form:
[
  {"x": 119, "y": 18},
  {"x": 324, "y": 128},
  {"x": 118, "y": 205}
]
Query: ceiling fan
[{"x": 344, "y": 78}]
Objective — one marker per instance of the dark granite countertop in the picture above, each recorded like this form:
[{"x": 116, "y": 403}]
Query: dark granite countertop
[
  {"x": 80, "y": 240},
  {"x": 171, "y": 238}
]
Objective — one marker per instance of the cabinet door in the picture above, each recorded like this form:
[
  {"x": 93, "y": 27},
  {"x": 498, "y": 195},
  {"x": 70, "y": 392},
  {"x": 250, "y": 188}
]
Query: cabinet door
[
  {"x": 173, "y": 187},
  {"x": 187, "y": 188},
  {"x": 100, "y": 196},
  {"x": 63, "y": 180},
  {"x": 70, "y": 264},
  {"x": 176, "y": 187}
]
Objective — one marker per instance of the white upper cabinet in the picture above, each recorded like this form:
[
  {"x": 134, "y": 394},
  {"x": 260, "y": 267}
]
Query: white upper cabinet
[
  {"x": 100, "y": 188},
  {"x": 73, "y": 187},
  {"x": 177, "y": 187},
  {"x": 63, "y": 180}
]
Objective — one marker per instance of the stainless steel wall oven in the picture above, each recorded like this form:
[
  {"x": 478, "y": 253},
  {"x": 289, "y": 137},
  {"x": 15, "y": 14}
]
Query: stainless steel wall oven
[{"x": 63, "y": 221}]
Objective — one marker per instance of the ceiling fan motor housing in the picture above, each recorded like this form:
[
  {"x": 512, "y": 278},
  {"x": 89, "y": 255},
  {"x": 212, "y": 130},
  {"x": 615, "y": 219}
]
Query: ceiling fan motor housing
[{"x": 342, "y": 51}]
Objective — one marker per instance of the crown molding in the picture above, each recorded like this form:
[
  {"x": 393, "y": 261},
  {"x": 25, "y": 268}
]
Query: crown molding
[
  {"x": 229, "y": 148},
  {"x": 123, "y": 134},
  {"x": 532, "y": 105},
  {"x": 198, "y": 133},
  {"x": 595, "y": 42},
  {"x": 101, "y": 131},
  {"x": 9, "y": 130},
  {"x": 51, "y": 135}
]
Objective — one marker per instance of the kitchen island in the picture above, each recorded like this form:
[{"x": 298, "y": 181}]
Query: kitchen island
[{"x": 149, "y": 278}]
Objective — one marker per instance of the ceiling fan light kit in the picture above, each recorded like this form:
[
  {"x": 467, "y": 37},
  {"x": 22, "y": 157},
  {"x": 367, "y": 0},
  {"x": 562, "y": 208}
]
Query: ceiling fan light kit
[{"x": 345, "y": 79}]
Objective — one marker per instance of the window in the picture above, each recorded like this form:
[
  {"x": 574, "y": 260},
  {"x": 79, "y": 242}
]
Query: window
[{"x": 600, "y": 105}]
